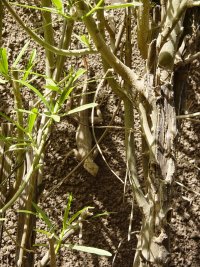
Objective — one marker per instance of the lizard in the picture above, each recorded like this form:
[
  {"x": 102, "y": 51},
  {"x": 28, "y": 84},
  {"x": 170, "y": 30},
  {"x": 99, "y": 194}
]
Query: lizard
[{"x": 83, "y": 133}]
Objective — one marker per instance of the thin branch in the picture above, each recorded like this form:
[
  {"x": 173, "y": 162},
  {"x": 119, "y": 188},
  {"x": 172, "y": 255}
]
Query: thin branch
[
  {"x": 192, "y": 3},
  {"x": 41, "y": 42},
  {"x": 167, "y": 30},
  {"x": 31, "y": 171},
  {"x": 64, "y": 44},
  {"x": 145, "y": 126},
  {"x": 187, "y": 116},
  {"x": 188, "y": 60},
  {"x": 127, "y": 74},
  {"x": 20, "y": 134},
  {"x": 48, "y": 36}
]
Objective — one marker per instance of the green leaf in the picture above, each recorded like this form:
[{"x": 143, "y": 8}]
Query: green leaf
[
  {"x": 65, "y": 224},
  {"x": 43, "y": 216},
  {"x": 19, "y": 146},
  {"x": 77, "y": 214},
  {"x": 66, "y": 92},
  {"x": 31, "y": 119},
  {"x": 52, "y": 88},
  {"x": 27, "y": 212},
  {"x": 79, "y": 73},
  {"x": 84, "y": 40},
  {"x": 51, "y": 85},
  {"x": 55, "y": 117},
  {"x": 3, "y": 62},
  {"x": 21, "y": 54},
  {"x": 66, "y": 213},
  {"x": 132, "y": 4},
  {"x": 46, "y": 9},
  {"x": 43, "y": 99},
  {"x": 65, "y": 95},
  {"x": 58, "y": 4},
  {"x": 106, "y": 213},
  {"x": 97, "y": 251},
  {"x": 44, "y": 232},
  {"x": 94, "y": 9},
  {"x": 40, "y": 245},
  {"x": 24, "y": 110},
  {"x": 81, "y": 108},
  {"x": 29, "y": 65},
  {"x": 12, "y": 121},
  {"x": 10, "y": 139}
]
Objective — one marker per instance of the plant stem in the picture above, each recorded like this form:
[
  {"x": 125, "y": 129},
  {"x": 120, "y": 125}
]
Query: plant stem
[
  {"x": 5, "y": 169},
  {"x": 143, "y": 27},
  {"x": 32, "y": 169},
  {"x": 52, "y": 251},
  {"x": 49, "y": 37},
  {"x": 1, "y": 22},
  {"x": 43, "y": 43},
  {"x": 20, "y": 133},
  {"x": 64, "y": 44},
  {"x": 120, "y": 68}
]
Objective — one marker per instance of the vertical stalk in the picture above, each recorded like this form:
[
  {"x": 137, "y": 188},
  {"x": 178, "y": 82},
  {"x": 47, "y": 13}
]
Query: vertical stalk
[
  {"x": 26, "y": 222},
  {"x": 1, "y": 22},
  {"x": 143, "y": 27},
  {"x": 20, "y": 134},
  {"x": 129, "y": 124},
  {"x": 52, "y": 252},
  {"x": 64, "y": 44},
  {"x": 49, "y": 37},
  {"x": 5, "y": 168},
  {"x": 169, "y": 49}
]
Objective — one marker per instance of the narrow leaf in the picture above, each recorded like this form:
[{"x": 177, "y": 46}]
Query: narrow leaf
[
  {"x": 29, "y": 65},
  {"x": 12, "y": 121},
  {"x": 83, "y": 39},
  {"x": 27, "y": 212},
  {"x": 21, "y": 54},
  {"x": 40, "y": 245},
  {"x": 51, "y": 85},
  {"x": 66, "y": 213},
  {"x": 41, "y": 231},
  {"x": 43, "y": 216},
  {"x": 106, "y": 213},
  {"x": 79, "y": 73},
  {"x": 97, "y": 251},
  {"x": 17, "y": 146},
  {"x": 81, "y": 108},
  {"x": 55, "y": 117},
  {"x": 58, "y": 4},
  {"x": 65, "y": 95},
  {"x": 31, "y": 119},
  {"x": 3, "y": 62},
  {"x": 43, "y": 99},
  {"x": 78, "y": 213},
  {"x": 132, "y": 4}
]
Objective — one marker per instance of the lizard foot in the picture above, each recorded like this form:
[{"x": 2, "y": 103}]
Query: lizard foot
[{"x": 91, "y": 167}]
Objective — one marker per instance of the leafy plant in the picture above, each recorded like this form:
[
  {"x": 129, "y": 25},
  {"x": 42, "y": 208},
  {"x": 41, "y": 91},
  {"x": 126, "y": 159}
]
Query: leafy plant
[
  {"x": 70, "y": 224},
  {"x": 151, "y": 96}
]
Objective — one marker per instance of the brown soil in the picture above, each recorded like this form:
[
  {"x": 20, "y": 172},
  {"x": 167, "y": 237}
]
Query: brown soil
[{"x": 105, "y": 192}]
